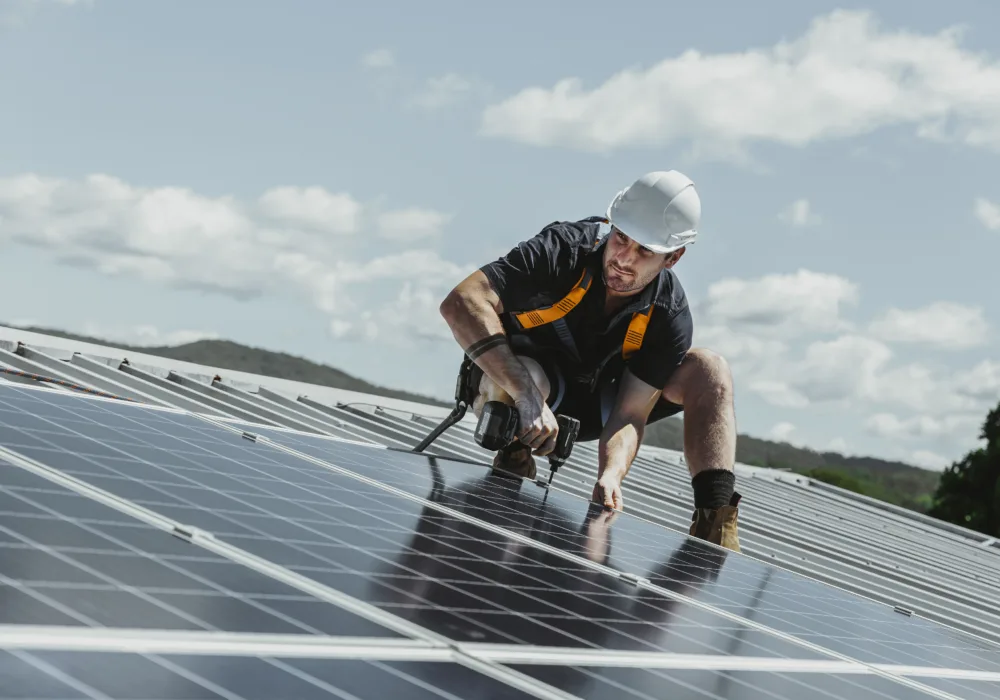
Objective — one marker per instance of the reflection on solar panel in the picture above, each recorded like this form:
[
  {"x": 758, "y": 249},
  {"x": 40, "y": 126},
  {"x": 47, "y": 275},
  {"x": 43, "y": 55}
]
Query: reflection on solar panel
[{"x": 147, "y": 551}]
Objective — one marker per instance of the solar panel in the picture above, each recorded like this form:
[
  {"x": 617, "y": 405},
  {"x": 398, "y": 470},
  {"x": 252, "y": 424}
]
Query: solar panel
[
  {"x": 120, "y": 676},
  {"x": 69, "y": 560},
  {"x": 451, "y": 576},
  {"x": 444, "y": 550},
  {"x": 781, "y": 600},
  {"x": 595, "y": 683}
]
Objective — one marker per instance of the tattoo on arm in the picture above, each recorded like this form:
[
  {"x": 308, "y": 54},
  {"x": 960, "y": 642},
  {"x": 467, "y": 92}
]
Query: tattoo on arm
[{"x": 480, "y": 347}]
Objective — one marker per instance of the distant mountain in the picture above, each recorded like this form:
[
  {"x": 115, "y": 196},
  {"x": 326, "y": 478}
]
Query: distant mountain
[
  {"x": 226, "y": 354},
  {"x": 903, "y": 484},
  {"x": 895, "y": 482}
]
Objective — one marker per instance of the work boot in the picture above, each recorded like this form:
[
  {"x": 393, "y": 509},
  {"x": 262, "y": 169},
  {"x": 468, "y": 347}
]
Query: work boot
[
  {"x": 516, "y": 459},
  {"x": 718, "y": 526}
]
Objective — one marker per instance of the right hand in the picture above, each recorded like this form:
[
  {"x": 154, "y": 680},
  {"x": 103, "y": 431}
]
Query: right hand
[{"x": 538, "y": 428}]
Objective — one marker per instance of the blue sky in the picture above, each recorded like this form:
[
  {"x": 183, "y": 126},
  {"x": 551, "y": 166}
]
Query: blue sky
[{"x": 313, "y": 177}]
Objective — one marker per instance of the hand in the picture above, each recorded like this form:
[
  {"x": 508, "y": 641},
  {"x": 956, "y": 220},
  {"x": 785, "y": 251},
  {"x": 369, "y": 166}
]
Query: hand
[
  {"x": 538, "y": 428},
  {"x": 608, "y": 492}
]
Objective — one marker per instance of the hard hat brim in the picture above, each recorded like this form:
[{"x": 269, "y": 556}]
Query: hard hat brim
[{"x": 638, "y": 235}]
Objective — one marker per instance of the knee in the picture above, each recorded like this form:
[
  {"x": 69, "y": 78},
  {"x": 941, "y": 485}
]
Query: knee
[{"x": 706, "y": 377}]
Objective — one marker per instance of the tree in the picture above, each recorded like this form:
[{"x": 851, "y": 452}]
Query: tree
[{"x": 969, "y": 491}]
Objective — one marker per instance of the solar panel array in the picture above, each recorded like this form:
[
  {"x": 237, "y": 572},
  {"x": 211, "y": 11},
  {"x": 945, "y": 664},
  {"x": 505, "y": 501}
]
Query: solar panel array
[{"x": 201, "y": 540}]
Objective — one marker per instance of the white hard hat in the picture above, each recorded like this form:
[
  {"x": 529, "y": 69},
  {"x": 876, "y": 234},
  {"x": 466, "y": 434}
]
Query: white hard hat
[{"x": 659, "y": 211}]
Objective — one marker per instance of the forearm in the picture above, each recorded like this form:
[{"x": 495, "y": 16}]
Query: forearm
[
  {"x": 619, "y": 443},
  {"x": 473, "y": 320}
]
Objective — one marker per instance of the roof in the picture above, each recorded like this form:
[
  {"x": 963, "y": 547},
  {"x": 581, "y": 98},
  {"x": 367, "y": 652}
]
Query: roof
[{"x": 833, "y": 592}]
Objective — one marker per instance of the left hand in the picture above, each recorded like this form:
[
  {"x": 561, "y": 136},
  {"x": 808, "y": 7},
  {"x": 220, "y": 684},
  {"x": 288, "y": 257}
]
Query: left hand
[{"x": 608, "y": 492}]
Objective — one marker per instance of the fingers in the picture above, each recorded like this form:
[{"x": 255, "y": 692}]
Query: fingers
[
  {"x": 541, "y": 434},
  {"x": 547, "y": 446}
]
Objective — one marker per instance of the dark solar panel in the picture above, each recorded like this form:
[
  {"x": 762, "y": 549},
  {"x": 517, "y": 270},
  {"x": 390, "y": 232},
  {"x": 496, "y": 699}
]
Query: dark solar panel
[
  {"x": 465, "y": 554},
  {"x": 68, "y": 560},
  {"x": 781, "y": 600},
  {"x": 453, "y": 577},
  {"x": 595, "y": 683},
  {"x": 61, "y": 675}
]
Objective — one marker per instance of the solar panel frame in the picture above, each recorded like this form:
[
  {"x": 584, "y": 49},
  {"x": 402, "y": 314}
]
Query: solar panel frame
[
  {"x": 334, "y": 467},
  {"x": 107, "y": 554},
  {"x": 270, "y": 553}
]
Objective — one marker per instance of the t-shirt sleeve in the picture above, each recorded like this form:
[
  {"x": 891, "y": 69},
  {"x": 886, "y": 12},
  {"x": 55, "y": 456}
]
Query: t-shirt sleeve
[
  {"x": 533, "y": 266},
  {"x": 667, "y": 341}
]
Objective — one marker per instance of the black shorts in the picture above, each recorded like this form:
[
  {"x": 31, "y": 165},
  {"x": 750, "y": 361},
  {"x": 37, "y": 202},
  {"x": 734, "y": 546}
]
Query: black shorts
[{"x": 591, "y": 408}]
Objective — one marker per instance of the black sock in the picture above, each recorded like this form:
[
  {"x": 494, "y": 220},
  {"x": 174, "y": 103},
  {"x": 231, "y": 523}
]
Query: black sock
[{"x": 713, "y": 488}]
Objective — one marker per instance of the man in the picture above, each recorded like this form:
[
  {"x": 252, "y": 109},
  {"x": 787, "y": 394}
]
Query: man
[{"x": 588, "y": 319}]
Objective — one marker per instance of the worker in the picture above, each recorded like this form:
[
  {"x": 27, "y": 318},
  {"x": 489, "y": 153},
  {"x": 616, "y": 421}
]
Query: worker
[{"x": 588, "y": 319}]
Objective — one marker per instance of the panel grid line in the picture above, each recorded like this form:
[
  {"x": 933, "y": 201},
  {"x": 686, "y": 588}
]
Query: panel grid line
[
  {"x": 585, "y": 562},
  {"x": 299, "y": 522},
  {"x": 517, "y": 537}
]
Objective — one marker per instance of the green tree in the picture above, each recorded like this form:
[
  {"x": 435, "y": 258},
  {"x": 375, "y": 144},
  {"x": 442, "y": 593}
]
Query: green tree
[{"x": 969, "y": 491}]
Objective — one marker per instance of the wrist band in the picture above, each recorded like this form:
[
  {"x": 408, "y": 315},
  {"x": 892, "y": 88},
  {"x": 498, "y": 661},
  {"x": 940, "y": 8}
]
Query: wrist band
[{"x": 480, "y": 347}]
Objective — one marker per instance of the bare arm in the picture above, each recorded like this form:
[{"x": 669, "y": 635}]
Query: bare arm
[
  {"x": 472, "y": 311},
  {"x": 622, "y": 436}
]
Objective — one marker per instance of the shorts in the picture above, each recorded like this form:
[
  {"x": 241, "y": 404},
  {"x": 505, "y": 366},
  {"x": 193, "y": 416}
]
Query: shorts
[{"x": 591, "y": 408}]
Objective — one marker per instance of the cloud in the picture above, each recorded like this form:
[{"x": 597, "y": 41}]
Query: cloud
[
  {"x": 928, "y": 460},
  {"x": 799, "y": 213},
  {"x": 988, "y": 213},
  {"x": 962, "y": 429},
  {"x": 443, "y": 91},
  {"x": 845, "y": 76},
  {"x": 145, "y": 335},
  {"x": 305, "y": 240},
  {"x": 943, "y": 324},
  {"x": 782, "y": 431},
  {"x": 378, "y": 59},
  {"x": 312, "y": 208},
  {"x": 412, "y": 224},
  {"x": 782, "y": 304},
  {"x": 837, "y": 444}
]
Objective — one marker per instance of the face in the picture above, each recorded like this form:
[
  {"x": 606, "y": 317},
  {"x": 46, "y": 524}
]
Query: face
[{"x": 628, "y": 267}]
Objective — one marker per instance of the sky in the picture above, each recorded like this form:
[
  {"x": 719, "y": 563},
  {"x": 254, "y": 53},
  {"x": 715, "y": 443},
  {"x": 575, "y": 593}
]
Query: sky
[{"x": 313, "y": 177}]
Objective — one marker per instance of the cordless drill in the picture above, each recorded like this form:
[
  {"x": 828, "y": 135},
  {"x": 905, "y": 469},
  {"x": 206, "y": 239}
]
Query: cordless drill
[{"x": 498, "y": 424}]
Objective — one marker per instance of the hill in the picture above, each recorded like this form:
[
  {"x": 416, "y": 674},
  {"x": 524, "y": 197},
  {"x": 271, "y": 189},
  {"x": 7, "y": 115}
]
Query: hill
[
  {"x": 226, "y": 354},
  {"x": 895, "y": 482}
]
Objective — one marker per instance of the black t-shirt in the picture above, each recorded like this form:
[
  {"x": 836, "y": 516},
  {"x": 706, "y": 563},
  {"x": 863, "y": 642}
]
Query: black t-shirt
[{"x": 541, "y": 270}]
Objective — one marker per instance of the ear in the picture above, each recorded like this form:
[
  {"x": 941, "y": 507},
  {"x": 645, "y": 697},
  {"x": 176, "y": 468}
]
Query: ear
[{"x": 672, "y": 258}]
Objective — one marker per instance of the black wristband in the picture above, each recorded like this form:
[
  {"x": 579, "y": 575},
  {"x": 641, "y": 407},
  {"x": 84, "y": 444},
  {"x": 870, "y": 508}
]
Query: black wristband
[{"x": 480, "y": 347}]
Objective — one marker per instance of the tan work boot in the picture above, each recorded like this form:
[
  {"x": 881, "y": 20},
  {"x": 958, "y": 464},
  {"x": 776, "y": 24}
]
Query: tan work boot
[
  {"x": 718, "y": 526},
  {"x": 516, "y": 459}
]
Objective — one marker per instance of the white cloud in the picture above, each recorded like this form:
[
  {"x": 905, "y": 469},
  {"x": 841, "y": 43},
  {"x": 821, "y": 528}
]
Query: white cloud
[
  {"x": 145, "y": 335},
  {"x": 837, "y": 444},
  {"x": 782, "y": 431},
  {"x": 379, "y": 58},
  {"x": 799, "y": 213},
  {"x": 443, "y": 91},
  {"x": 961, "y": 429},
  {"x": 844, "y": 77},
  {"x": 789, "y": 304},
  {"x": 412, "y": 224},
  {"x": 289, "y": 239},
  {"x": 839, "y": 369},
  {"x": 313, "y": 208},
  {"x": 944, "y": 324},
  {"x": 929, "y": 460},
  {"x": 988, "y": 213},
  {"x": 980, "y": 384},
  {"x": 776, "y": 392}
]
